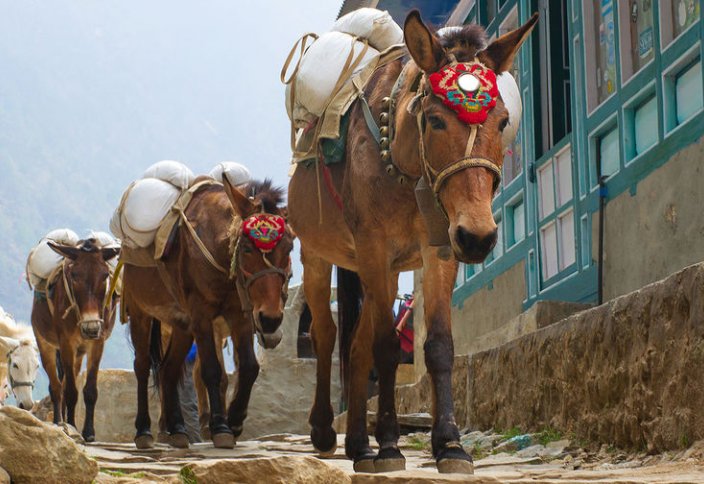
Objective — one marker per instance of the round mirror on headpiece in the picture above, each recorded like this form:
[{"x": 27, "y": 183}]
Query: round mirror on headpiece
[{"x": 468, "y": 83}]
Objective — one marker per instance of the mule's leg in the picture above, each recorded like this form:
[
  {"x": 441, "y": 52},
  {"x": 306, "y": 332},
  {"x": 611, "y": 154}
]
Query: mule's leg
[
  {"x": 357, "y": 440},
  {"x": 203, "y": 406},
  {"x": 316, "y": 284},
  {"x": 48, "y": 356},
  {"x": 90, "y": 390},
  {"x": 438, "y": 280},
  {"x": 140, "y": 333},
  {"x": 211, "y": 373},
  {"x": 376, "y": 330},
  {"x": 170, "y": 374},
  {"x": 68, "y": 356},
  {"x": 387, "y": 353},
  {"x": 247, "y": 371}
]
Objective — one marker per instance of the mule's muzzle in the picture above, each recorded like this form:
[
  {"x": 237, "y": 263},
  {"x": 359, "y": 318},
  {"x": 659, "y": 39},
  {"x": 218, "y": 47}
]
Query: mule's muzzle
[
  {"x": 472, "y": 248},
  {"x": 91, "y": 328},
  {"x": 269, "y": 330}
]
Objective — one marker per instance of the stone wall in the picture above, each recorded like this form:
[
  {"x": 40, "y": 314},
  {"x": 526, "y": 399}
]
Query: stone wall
[{"x": 626, "y": 373}]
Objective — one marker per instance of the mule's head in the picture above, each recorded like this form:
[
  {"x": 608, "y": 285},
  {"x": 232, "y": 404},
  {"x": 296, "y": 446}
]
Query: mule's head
[
  {"x": 262, "y": 256},
  {"x": 462, "y": 118},
  {"x": 87, "y": 273},
  {"x": 22, "y": 367}
]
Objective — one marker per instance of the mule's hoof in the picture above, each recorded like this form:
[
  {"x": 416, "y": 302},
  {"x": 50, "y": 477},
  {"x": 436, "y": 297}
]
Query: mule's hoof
[
  {"x": 162, "y": 437},
  {"x": 455, "y": 466},
  {"x": 89, "y": 438},
  {"x": 364, "y": 465},
  {"x": 144, "y": 441},
  {"x": 180, "y": 441},
  {"x": 237, "y": 430},
  {"x": 324, "y": 440},
  {"x": 454, "y": 460},
  {"x": 223, "y": 441},
  {"x": 390, "y": 460}
]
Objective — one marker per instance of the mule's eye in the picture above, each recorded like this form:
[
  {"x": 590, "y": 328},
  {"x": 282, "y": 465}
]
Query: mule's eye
[
  {"x": 246, "y": 249},
  {"x": 14, "y": 365},
  {"x": 503, "y": 124},
  {"x": 436, "y": 122}
]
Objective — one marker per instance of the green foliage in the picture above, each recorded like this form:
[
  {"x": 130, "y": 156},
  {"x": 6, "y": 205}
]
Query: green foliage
[
  {"x": 187, "y": 476},
  {"x": 133, "y": 475},
  {"x": 549, "y": 434},
  {"x": 477, "y": 452},
  {"x": 418, "y": 442},
  {"x": 511, "y": 433}
]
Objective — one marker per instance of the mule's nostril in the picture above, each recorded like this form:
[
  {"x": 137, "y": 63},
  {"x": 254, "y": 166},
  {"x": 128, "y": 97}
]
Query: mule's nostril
[
  {"x": 269, "y": 324},
  {"x": 471, "y": 243}
]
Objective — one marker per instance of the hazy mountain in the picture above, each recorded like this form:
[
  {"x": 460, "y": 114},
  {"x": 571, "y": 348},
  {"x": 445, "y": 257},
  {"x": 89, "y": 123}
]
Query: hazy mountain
[{"x": 91, "y": 93}]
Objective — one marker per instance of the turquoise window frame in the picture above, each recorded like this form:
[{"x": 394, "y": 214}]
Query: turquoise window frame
[{"x": 648, "y": 94}]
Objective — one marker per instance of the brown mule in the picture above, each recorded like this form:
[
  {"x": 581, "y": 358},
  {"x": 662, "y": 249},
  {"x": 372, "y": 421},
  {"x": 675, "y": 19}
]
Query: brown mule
[
  {"x": 189, "y": 293},
  {"x": 75, "y": 319},
  {"x": 380, "y": 232}
]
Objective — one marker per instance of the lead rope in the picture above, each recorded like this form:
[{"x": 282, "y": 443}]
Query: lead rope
[{"x": 69, "y": 295}]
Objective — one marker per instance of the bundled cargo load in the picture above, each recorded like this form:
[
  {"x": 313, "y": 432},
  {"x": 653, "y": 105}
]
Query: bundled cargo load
[
  {"x": 332, "y": 71},
  {"x": 147, "y": 201},
  {"x": 236, "y": 173},
  {"x": 43, "y": 260},
  {"x": 104, "y": 239}
]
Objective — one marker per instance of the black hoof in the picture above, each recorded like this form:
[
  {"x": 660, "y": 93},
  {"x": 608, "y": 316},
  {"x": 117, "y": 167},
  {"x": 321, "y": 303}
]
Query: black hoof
[
  {"x": 237, "y": 430},
  {"x": 89, "y": 437},
  {"x": 144, "y": 441},
  {"x": 179, "y": 441},
  {"x": 389, "y": 459},
  {"x": 324, "y": 440},
  {"x": 454, "y": 460},
  {"x": 365, "y": 464},
  {"x": 224, "y": 441}
]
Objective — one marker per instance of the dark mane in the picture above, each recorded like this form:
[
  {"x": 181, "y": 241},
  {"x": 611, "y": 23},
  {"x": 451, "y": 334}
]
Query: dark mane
[
  {"x": 464, "y": 41},
  {"x": 270, "y": 196}
]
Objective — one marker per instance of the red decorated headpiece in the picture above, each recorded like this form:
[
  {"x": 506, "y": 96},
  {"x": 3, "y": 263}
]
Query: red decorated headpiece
[
  {"x": 469, "y": 89},
  {"x": 264, "y": 230}
]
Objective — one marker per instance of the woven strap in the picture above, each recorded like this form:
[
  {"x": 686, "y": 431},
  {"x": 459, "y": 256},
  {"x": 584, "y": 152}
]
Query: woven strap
[{"x": 464, "y": 164}]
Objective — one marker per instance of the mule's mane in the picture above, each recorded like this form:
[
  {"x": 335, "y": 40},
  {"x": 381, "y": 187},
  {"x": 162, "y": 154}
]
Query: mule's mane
[
  {"x": 88, "y": 245},
  {"x": 464, "y": 42},
  {"x": 9, "y": 327},
  {"x": 270, "y": 196}
]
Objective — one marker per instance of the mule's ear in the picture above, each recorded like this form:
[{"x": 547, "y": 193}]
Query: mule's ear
[
  {"x": 109, "y": 252},
  {"x": 501, "y": 52},
  {"x": 64, "y": 250},
  {"x": 243, "y": 206},
  {"x": 7, "y": 344},
  {"x": 422, "y": 44}
]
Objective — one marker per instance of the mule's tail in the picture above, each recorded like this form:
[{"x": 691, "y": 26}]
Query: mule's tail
[
  {"x": 349, "y": 307},
  {"x": 155, "y": 351}
]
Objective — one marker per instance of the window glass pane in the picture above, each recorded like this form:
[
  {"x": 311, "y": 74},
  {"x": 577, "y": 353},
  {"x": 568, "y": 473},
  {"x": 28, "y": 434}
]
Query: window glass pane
[
  {"x": 548, "y": 250},
  {"x": 684, "y": 14},
  {"x": 459, "y": 280},
  {"x": 605, "y": 50},
  {"x": 567, "y": 247},
  {"x": 519, "y": 223},
  {"x": 547, "y": 190},
  {"x": 646, "y": 125},
  {"x": 642, "y": 36},
  {"x": 564, "y": 177},
  {"x": 468, "y": 270},
  {"x": 608, "y": 153},
  {"x": 688, "y": 92},
  {"x": 499, "y": 247}
]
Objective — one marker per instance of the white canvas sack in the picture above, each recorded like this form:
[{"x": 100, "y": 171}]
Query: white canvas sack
[
  {"x": 511, "y": 96},
  {"x": 42, "y": 259},
  {"x": 376, "y": 26},
  {"x": 237, "y": 174},
  {"x": 174, "y": 172},
  {"x": 145, "y": 205},
  {"x": 319, "y": 72}
]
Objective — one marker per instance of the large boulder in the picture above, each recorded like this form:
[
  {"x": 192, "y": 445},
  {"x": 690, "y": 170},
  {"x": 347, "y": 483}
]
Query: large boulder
[
  {"x": 275, "y": 470},
  {"x": 33, "y": 451}
]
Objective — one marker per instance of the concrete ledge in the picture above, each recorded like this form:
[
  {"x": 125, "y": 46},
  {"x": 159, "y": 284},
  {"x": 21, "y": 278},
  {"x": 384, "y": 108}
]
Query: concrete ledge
[{"x": 628, "y": 372}]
